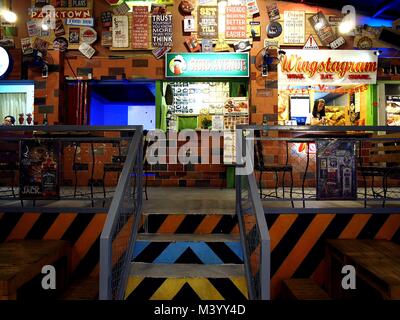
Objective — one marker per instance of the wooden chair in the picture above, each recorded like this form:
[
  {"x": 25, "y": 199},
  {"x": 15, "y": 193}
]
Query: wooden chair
[
  {"x": 9, "y": 165},
  {"x": 384, "y": 162}
]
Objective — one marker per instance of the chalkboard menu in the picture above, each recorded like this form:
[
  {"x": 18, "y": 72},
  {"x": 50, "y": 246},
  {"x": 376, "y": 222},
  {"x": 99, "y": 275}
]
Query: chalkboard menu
[
  {"x": 162, "y": 30},
  {"x": 140, "y": 25},
  {"x": 208, "y": 22},
  {"x": 39, "y": 169}
]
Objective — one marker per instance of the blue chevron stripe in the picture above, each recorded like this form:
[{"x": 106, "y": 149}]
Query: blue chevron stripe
[
  {"x": 139, "y": 247},
  {"x": 175, "y": 250},
  {"x": 236, "y": 247}
]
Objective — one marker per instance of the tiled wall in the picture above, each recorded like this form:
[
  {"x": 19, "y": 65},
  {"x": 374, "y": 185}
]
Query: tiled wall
[{"x": 47, "y": 90}]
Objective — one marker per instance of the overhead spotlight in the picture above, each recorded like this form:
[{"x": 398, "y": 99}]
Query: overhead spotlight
[
  {"x": 9, "y": 16},
  {"x": 281, "y": 52},
  {"x": 349, "y": 20},
  {"x": 346, "y": 26},
  {"x": 378, "y": 52}
]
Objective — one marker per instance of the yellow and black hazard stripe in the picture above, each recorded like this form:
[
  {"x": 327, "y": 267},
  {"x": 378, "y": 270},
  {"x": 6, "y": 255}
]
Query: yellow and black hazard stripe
[
  {"x": 193, "y": 223},
  {"x": 186, "y": 289},
  {"x": 81, "y": 230},
  {"x": 298, "y": 241}
]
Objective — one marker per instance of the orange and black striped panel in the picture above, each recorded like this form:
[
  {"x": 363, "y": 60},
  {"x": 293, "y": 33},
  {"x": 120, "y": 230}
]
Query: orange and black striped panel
[
  {"x": 193, "y": 223},
  {"x": 298, "y": 241}
]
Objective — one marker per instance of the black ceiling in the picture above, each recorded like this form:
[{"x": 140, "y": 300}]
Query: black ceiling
[{"x": 382, "y": 9}]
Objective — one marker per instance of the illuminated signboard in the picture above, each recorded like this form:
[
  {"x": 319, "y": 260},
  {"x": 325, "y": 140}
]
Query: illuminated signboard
[
  {"x": 210, "y": 65},
  {"x": 6, "y": 63},
  {"x": 301, "y": 67}
]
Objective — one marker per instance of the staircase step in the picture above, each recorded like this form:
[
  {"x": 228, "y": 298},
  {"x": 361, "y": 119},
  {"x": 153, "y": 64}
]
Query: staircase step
[
  {"x": 190, "y": 224},
  {"x": 150, "y": 270},
  {"x": 160, "y": 237},
  {"x": 303, "y": 289},
  {"x": 193, "y": 249},
  {"x": 198, "y": 201}
]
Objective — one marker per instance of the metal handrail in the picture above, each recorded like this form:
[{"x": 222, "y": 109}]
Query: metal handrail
[{"x": 134, "y": 157}]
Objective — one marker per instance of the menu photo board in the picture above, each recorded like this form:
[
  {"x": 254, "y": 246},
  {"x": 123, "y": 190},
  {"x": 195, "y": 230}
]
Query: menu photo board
[
  {"x": 207, "y": 22},
  {"x": 236, "y": 22},
  {"x": 39, "y": 169},
  {"x": 140, "y": 27}
]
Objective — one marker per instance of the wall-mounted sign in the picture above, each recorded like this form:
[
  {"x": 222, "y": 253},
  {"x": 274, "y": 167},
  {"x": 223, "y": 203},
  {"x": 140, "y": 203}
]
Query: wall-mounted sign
[
  {"x": 81, "y": 22},
  {"x": 6, "y": 63},
  {"x": 188, "y": 24},
  {"x": 299, "y": 67},
  {"x": 26, "y": 46},
  {"x": 208, "y": 65},
  {"x": 121, "y": 9},
  {"x": 65, "y": 14},
  {"x": 33, "y": 28},
  {"x": 106, "y": 19},
  {"x": 311, "y": 43},
  {"x": 273, "y": 12},
  {"x": 39, "y": 169},
  {"x": 79, "y": 3},
  {"x": 140, "y": 27},
  {"x": 322, "y": 28},
  {"x": 207, "y": 22},
  {"x": 294, "y": 27},
  {"x": 88, "y": 35},
  {"x": 236, "y": 22},
  {"x": 120, "y": 30},
  {"x": 161, "y": 30},
  {"x": 274, "y": 29},
  {"x": 336, "y": 170},
  {"x": 252, "y": 7}
]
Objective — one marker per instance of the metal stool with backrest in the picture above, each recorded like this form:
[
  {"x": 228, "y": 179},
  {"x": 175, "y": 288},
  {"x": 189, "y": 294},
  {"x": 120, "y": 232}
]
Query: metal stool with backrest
[{"x": 261, "y": 166}]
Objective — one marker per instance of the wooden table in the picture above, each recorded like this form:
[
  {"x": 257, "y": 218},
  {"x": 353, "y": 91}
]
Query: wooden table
[{"x": 21, "y": 261}]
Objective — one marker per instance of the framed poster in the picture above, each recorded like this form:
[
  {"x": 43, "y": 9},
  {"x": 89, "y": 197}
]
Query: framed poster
[
  {"x": 336, "y": 170},
  {"x": 323, "y": 28},
  {"x": 207, "y": 22},
  {"x": 236, "y": 22},
  {"x": 161, "y": 30},
  {"x": 140, "y": 27},
  {"x": 294, "y": 27},
  {"x": 39, "y": 169},
  {"x": 120, "y": 32}
]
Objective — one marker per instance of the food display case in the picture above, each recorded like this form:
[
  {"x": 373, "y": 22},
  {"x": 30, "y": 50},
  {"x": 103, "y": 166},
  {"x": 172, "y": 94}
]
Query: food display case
[{"x": 337, "y": 115}]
